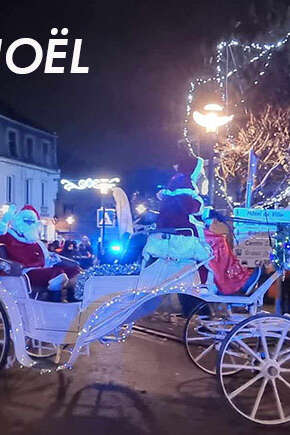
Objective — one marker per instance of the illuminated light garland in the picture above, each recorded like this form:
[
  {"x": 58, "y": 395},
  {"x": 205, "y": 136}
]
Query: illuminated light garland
[
  {"x": 265, "y": 51},
  {"x": 102, "y": 184},
  {"x": 275, "y": 120},
  {"x": 280, "y": 255},
  {"x": 10, "y": 303},
  {"x": 115, "y": 269},
  {"x": 98, "y": 325},
  {"x": 276, "y": 199}
]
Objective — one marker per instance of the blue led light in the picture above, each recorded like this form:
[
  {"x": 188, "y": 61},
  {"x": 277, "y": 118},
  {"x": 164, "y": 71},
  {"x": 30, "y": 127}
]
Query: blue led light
[{"x": 116, "y": 248}]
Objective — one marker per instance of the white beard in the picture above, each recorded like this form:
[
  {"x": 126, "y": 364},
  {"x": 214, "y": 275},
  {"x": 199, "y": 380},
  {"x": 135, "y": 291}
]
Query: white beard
[{"x": 29, "y": 233}]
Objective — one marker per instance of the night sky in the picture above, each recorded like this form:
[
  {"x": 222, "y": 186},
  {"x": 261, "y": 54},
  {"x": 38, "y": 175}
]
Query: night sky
[{"x": 127, "y": 113}]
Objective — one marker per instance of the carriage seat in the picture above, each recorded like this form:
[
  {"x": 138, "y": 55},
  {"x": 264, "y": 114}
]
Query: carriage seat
[
  {"x": 3, "y": 252},
  {"x": 15, "y": 269}
]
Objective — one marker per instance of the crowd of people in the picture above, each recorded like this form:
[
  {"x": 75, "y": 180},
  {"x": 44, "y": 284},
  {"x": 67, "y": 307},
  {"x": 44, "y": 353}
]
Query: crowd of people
[{"x": 81, "y": 252}]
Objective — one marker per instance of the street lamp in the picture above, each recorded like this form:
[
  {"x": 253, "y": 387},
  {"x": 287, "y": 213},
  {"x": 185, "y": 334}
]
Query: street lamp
[
  {"x": 70, "y": 220},
  {"x": 104, "y": 185},
  {"x": 211, "y": 120}
]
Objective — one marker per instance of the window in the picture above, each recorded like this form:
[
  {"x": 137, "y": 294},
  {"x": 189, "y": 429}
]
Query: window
[
  {"x": 12, "y": 143},
  {"x": 28, "y": 191},
  {"x": 53, "y": 153},
  {"x": 29, "y": 145},
  {"x": 9, "y": 189},
  {"x": 45, "y": 148},
  {"x": 45, "y": 151},
  {"x": 42, "y": 194}
]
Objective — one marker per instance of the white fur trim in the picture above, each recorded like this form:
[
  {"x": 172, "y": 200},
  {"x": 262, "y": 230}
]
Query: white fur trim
[
  {"x": 206, "y": 212},
  {"x": 199, "y": 225},
  {"x": 181, "y": 191},
  {"x": 18, "y": 236},
  {"x": 184, "y": 191},
  {"x": 3, "y": 228},
  {"x": 196, "y": 173},
  {"x": 177, "y": 247}
]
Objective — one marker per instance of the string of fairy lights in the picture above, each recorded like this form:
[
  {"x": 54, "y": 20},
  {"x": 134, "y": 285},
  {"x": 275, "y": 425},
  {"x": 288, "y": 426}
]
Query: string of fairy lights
[{"x": 263, "y": 54}]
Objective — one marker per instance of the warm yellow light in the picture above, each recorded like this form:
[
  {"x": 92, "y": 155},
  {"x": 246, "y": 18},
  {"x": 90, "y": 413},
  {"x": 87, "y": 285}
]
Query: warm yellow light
[
  {"x": 213, "y": 107},
  {"x": 70, "y": 220},
  {"x": 141, "y": 208},
  {"x": 104, "y": 185},
  {"x": 211, "y": 120}
]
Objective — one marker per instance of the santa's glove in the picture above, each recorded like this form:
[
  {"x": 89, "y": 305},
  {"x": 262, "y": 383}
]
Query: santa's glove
[{"x": 7, "y": 218}]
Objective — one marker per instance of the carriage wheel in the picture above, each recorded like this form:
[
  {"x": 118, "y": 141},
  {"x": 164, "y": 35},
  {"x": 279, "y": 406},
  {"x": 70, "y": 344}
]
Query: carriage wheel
[
  {"x": 4, "y": 337},
  {"x": 261, "y": 347},
  {"x": 205, "y": 329}
]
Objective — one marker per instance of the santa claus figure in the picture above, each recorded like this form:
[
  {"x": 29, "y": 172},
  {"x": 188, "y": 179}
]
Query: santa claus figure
[
  {"x": 181, "y": 208},
  {"x": 229, "y": 275},
  {"x": 20, "y": 231}
]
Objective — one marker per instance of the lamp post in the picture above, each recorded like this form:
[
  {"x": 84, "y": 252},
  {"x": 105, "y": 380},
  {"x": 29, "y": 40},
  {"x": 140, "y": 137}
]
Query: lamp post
[
  {"x": 103, "y": 185},
  {"x": 211, "y": 120}
]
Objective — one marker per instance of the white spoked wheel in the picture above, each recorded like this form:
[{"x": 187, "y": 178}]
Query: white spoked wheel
[
  {"x": 39, "y": 349},
  {"x": 205, "y": 329},
  {"x": 4, "y": 337},
  {"x": 261, "y": 348}
]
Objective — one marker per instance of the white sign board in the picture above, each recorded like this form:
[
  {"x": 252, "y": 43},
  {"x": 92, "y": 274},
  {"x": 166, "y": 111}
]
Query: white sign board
[
  {"x": 252, "y": 244},
  {"x": 110, "y": 217}
]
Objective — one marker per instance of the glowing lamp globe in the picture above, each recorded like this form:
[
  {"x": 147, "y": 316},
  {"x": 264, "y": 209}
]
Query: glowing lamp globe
[
  {"x": 212, "y": 119},
  {"x": 70, "y": 220}
]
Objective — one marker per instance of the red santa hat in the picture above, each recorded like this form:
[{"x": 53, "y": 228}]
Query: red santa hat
[{"x": 31, "y": 208}]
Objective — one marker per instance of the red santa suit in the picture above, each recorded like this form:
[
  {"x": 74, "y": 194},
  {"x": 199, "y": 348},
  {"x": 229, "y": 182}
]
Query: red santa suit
[
  {"x": 40, "y": 265},
  {"x": 180, "y": 203}
]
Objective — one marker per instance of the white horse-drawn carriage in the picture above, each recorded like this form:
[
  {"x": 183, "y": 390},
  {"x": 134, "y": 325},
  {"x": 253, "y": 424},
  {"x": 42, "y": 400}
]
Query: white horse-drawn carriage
[{"x": 252, "y": 346}]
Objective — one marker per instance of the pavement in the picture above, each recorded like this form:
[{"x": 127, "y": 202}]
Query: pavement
[{"x": 144, "y": 386}]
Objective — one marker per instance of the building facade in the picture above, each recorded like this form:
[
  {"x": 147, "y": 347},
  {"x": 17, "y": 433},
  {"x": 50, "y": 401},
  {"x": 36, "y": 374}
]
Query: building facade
[{"x": 29, "y": 171}]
